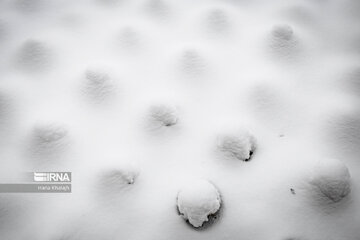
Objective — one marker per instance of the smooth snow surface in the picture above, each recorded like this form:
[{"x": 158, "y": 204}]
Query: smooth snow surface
[{"x": 141, "y": 98}]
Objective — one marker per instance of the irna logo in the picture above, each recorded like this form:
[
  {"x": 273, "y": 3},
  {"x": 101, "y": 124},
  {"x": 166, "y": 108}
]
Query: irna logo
[{"x": 52, "y": 176}]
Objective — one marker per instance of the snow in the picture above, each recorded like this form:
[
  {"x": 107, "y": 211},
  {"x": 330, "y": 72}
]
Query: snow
[
  {"x": 47, "y": 141},
  {"x": 162, "y": 116},
  {"x": 238, "y": 146},
  {"x": 34, "y": 56},
  {"x": 331, "y": 179},
  {"x": 197, "y": 201},
  {"x": 183, "y": 90},
  {"x": 98, "y": 86}
]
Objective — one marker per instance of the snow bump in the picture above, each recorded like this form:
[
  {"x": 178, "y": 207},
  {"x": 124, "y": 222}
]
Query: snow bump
[
  {"x": 48, "y": 140},
  {"x": 238, "y": 146},
  {"x": 34, "y": 56},
  {"x": 331, "y": 180},
  {"x": 129, "y": 39},
  {"x": 160, "y": 116},
  {"x": 198, "y": 201},
  {"x": 283, "y": 41},
  {"x": 98, "y": 86},
  {"x": 192, "y": 63},
  {"x": 118, "y": 178},
  {"x": 217, "y": 21},
  {"x": 157, "y": 8}
]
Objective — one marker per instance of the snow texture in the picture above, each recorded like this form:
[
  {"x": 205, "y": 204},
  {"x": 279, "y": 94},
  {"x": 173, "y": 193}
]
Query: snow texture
[
  {"x": 139, "y": 97},
  {"x": 34, "y": 56},
  {"x": 98, "y": 86},
  {"x": 162, "y": 116},
  {"x": 331, "y": 180},
  {"x": 239, "y": 146}
]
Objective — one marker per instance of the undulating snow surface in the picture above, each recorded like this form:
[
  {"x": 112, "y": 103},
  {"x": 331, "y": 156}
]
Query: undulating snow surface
[{"x": 140, "y": 99}]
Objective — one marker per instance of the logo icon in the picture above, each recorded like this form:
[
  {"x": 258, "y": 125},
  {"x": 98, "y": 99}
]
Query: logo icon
[{"x": 52, "y": 177}]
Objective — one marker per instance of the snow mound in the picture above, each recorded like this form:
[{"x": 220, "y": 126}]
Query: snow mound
[
  {"x": 113, "y": 182},
  {"x": 192, "y": 63},
  {"x": 331, "y": 179},
  {"x": 283, "y": 40},
  {"x": 344, "y": 132},
  {"x": 197, "y": 201},
  {"x": 162, "y": 116},
  {"x": 282, "y": 32},
  {"x": 217, "y": 21},
  {"x": 119, "y": 176},
  {"x": 238, "y": 146},
  {"x": 129, "y": 39},
  {"x": 48, "y": 140},
  {"x": 98, "y": 86},
  {"x": 34, "y": 56},
  {"x": 157, "y": 8}
]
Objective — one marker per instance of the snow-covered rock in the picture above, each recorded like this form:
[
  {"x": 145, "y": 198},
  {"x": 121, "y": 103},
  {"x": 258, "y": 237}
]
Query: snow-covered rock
[{"x": 197, "y": 201}]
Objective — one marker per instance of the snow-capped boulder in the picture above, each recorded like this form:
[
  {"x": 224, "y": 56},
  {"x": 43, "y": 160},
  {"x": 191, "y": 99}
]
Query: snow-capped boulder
[
  {"x": 197, "y": 201},
  {"x": 240, "y": 145},
  {"x": 330, "y": 179}
]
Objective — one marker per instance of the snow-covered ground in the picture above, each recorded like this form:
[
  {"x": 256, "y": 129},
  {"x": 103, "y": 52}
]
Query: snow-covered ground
[{"x": 142, "y": 99}]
